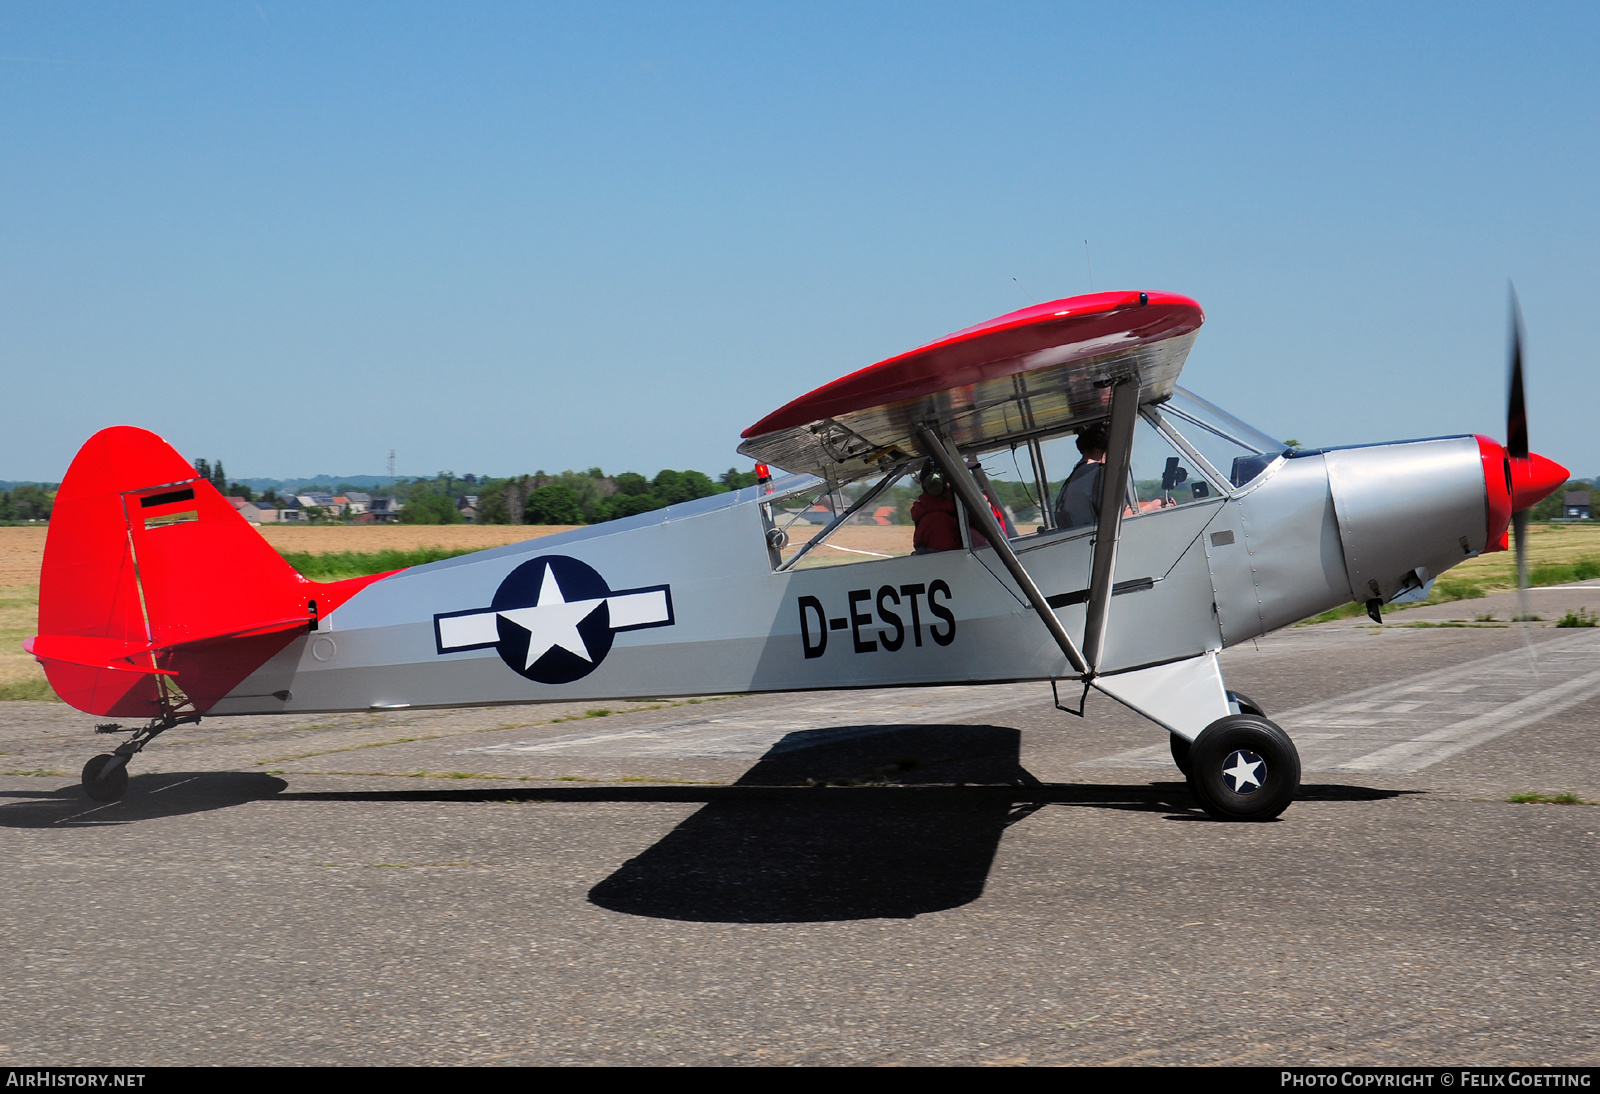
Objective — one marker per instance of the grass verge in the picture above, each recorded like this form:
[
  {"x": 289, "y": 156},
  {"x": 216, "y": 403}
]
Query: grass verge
[
  {"x": 31, "y": 690},
  {"x": 336, "y": 565},
  {"x": 1475, "y": 586}
]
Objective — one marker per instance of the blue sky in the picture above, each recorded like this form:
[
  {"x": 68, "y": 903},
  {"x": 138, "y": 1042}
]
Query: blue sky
[{"x": 505, "y": 237}]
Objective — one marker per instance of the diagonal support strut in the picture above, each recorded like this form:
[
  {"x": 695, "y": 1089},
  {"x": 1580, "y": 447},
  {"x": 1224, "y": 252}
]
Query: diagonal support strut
[
  {"x": 978, "y": 509},
  {"x": 1113, "y": 484}
]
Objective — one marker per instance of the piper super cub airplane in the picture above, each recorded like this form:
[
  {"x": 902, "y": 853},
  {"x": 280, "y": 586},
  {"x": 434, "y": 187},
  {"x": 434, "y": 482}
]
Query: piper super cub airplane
[{"x": 159, "y": 602}]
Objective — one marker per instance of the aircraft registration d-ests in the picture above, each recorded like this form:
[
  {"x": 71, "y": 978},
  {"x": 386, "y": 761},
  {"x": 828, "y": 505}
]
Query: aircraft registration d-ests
[{"x": 159, "y": 602}]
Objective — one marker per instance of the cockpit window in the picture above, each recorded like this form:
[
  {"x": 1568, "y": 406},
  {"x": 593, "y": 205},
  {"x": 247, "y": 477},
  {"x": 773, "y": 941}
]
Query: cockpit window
[
  {"x": 1238, "y": 451},
  {"x": 803, "y": 528}
]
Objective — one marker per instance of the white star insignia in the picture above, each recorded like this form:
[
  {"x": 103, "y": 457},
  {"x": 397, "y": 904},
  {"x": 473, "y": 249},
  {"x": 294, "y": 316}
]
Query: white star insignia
[
  {"x": 553, "y": 621},
  {"x": 1243, "y": 773}
]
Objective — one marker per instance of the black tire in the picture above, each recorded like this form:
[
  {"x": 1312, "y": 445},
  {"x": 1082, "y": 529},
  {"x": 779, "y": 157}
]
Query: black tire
[
  {"x": 1180, "y": 755},
  {"x": 109, "y": 789},
  {"x": 1244, "y": 768},
  {"x": 1246, "y": 704}
]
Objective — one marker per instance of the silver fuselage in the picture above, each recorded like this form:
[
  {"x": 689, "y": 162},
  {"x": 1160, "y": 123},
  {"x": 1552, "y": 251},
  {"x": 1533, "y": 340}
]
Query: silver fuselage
[{"x": 1313, "y": 531}]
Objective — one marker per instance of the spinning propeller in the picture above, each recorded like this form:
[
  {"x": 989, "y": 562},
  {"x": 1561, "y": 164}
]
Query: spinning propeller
[{"x": 1529, "y": 476}]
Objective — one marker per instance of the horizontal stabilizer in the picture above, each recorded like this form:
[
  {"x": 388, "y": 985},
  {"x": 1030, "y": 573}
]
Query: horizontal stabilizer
[{"x": 108, "y": 654}]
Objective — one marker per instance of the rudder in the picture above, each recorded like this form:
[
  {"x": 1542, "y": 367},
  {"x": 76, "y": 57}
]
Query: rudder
[{"x": 154, "y": 587}]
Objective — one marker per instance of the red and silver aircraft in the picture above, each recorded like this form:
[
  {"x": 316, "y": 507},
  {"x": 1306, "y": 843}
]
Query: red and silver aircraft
[{"x": 159, "y": 603}]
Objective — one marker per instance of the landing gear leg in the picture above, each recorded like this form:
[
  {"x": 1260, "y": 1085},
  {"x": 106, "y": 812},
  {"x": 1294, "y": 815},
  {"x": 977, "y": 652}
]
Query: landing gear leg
[
  {"x": 105, "y": 777},
  {"x": 1245, "y": 704},
  {"x": 1181, "y": 747}
]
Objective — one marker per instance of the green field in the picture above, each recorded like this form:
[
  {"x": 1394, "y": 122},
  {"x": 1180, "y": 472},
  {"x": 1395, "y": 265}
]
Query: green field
[{"x": 338, "y": 565}]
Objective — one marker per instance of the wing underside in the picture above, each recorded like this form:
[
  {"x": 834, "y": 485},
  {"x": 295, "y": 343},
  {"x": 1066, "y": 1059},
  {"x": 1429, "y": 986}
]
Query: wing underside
[{"x": 1001, "y": 382}]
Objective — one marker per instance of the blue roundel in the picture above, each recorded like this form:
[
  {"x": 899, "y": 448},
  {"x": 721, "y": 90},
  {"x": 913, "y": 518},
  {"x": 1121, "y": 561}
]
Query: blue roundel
[{"x": 554, "y": 619}]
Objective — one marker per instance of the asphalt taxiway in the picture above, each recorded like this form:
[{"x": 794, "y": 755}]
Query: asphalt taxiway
[{"x": 943, "y": 875}]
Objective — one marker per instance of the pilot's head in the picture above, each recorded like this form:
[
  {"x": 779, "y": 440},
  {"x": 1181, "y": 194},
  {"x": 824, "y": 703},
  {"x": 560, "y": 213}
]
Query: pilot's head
[
  {"x": 933, "y": 482},
  {"x": 1092, "y": 440}
]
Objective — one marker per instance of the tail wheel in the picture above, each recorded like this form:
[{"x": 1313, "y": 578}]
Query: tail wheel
[
  {"x": 1244, "y": 768},
  {"x": 107, "y": 789}
]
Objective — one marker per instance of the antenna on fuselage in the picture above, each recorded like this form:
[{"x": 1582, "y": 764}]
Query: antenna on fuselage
[{"x": 1089, "y": 264}]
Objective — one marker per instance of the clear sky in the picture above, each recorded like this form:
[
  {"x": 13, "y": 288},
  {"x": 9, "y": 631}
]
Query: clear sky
[{"x": 501, "y": 238}]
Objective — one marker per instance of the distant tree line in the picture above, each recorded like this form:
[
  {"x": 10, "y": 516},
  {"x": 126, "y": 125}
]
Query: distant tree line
[
  {"x": 27, "y": 501},
  {"x": 570, "y": 497}
]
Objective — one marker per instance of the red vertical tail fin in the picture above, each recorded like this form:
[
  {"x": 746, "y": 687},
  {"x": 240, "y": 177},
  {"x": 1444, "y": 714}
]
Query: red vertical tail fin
[{"x": 153, "y": 585}]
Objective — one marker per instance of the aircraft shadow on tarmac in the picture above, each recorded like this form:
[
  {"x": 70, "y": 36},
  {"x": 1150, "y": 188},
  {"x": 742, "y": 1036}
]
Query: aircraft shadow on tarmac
[
  {"x": 899, "y": 821},
  {"x": 873, "y": 837},
  {"x": 149, "y": 797}
]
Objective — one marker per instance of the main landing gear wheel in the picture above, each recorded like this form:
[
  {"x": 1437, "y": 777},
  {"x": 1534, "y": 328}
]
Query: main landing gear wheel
[
  {"x": 1180, "y": 755},
  {"x": 1244, "y": 768},
  {"x": 107, "y": 789}
]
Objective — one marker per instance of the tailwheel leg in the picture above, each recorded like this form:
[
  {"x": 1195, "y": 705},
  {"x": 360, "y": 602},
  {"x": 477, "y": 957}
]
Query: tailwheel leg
[{"x": 105, "y": 777}]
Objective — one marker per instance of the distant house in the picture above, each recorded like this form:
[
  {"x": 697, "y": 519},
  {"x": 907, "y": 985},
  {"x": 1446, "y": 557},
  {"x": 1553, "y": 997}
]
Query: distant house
[
  {"x": 250, "y": 511},
  {"x": 384, "y": 510},
  {"x": 468, "y": 508},
  {"x": 358, "y": 502},
  {"x": 1575, "y": 505},
  {"x": 330, "y": 505}
]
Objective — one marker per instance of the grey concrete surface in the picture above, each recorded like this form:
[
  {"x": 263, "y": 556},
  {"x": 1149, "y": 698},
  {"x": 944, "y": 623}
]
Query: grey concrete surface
[{"x": 946, "y": 875}]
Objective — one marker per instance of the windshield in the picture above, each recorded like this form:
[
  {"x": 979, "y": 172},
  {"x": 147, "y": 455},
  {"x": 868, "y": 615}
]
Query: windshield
[{"x": 1234, "y": 448}]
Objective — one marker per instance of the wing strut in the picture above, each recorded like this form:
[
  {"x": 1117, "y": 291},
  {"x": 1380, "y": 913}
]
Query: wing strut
[
  {"x": 978, "y": 509},
  {"x": 1119, "y": 453}
]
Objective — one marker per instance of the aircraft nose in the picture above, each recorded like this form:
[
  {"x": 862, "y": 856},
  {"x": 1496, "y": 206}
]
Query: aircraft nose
[
  {"x": 1514, "y": 483},
  {"x": 1533, "y": 479}
]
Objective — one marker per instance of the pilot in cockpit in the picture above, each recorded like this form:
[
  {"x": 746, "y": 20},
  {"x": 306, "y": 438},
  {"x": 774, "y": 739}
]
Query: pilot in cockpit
[{"x": 1078, "y": 503}]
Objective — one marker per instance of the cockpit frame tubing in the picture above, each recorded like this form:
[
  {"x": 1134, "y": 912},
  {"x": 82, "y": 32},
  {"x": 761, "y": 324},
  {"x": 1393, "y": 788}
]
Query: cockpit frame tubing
[
  {"x": 1181, "y": 443},
  {"x": 977, "y": 507},
  {"x": 867, "y": 498}
]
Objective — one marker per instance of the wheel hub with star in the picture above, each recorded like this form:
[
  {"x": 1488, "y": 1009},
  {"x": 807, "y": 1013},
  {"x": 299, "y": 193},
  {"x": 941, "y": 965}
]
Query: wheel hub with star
[{"x": 1244, "y": 772}]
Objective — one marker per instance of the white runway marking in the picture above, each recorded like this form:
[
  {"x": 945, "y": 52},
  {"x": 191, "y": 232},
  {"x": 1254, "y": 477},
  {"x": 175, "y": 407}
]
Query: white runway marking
[
  {"x": 748, "y": 734},
  {"x": 1407, "y": 725}
]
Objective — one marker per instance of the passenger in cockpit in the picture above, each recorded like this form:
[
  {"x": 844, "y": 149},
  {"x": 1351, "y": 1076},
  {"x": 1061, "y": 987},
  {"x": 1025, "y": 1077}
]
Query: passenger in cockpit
[{"x": 934, "y": 514}]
